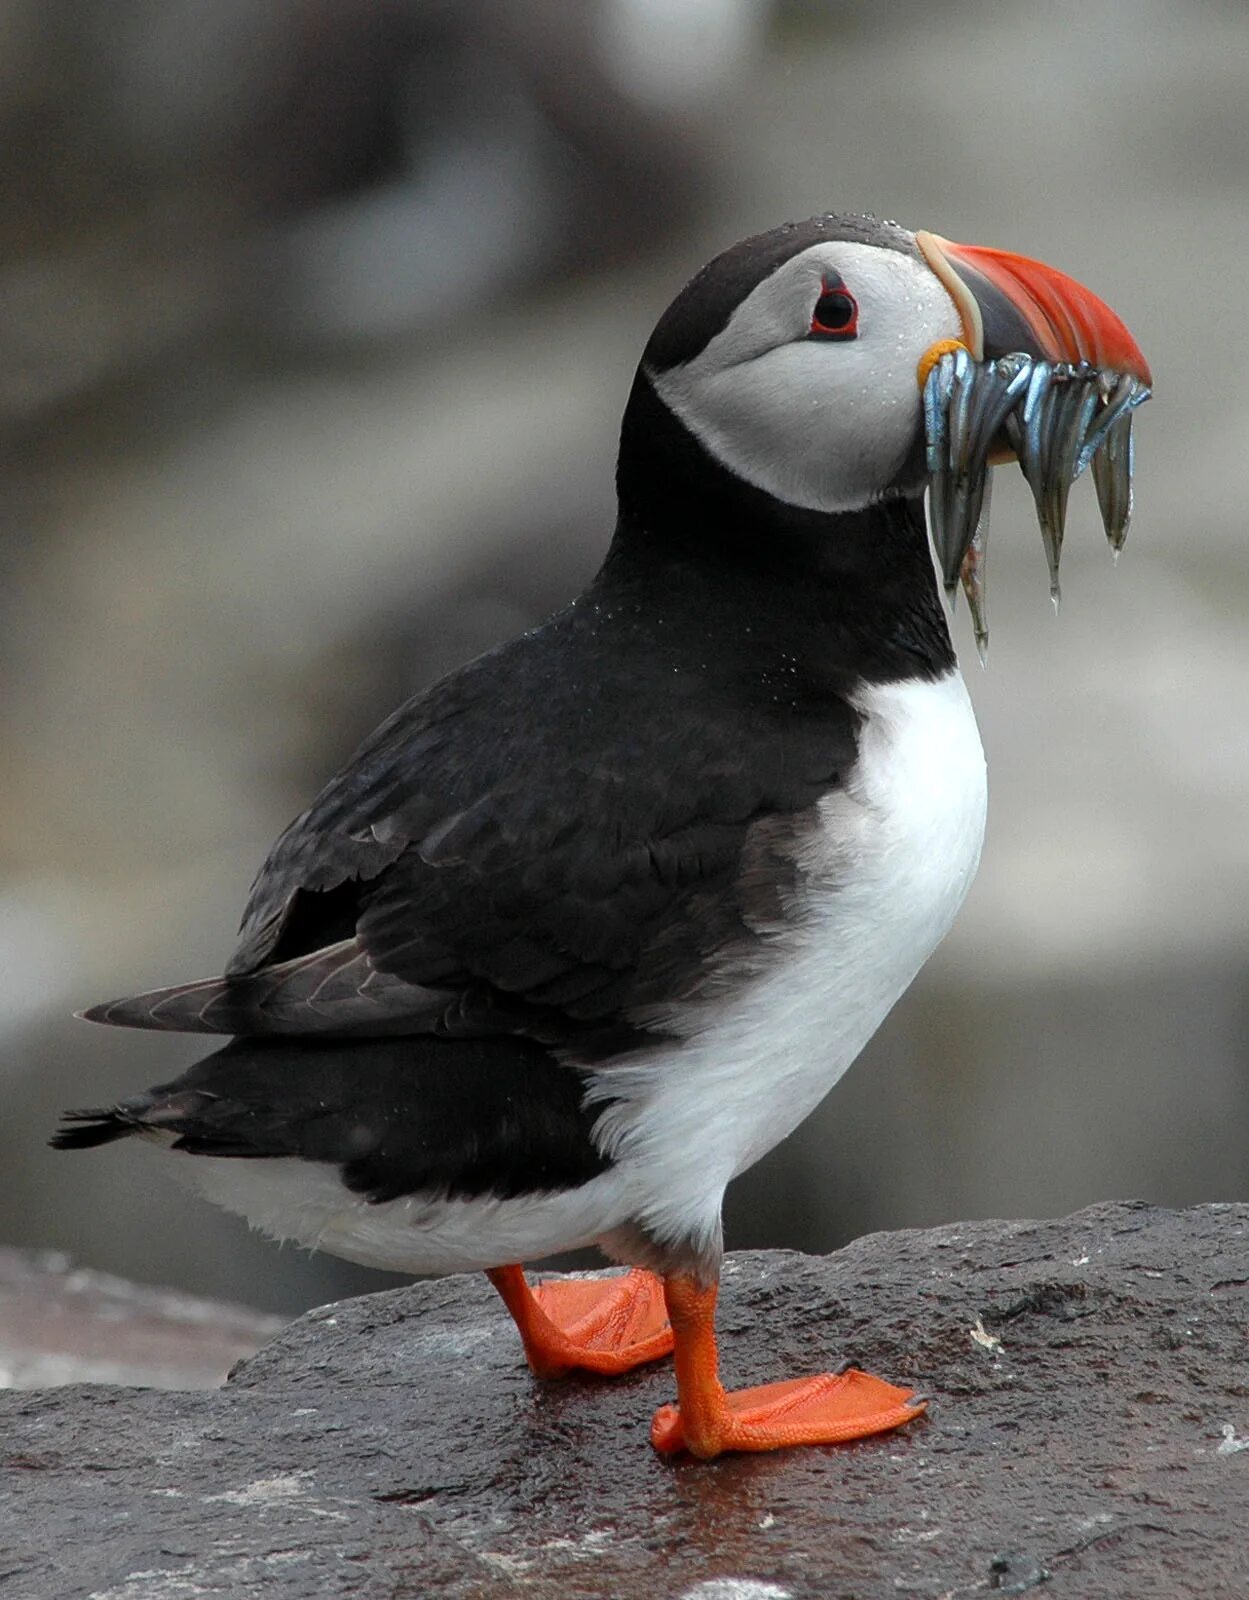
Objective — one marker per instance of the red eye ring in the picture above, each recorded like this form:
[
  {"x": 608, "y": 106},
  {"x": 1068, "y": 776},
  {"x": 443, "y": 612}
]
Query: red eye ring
[{"x": 836, "y": 314}]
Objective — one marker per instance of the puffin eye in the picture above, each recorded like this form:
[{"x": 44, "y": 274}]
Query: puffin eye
[{"x": 836, "y": 316}]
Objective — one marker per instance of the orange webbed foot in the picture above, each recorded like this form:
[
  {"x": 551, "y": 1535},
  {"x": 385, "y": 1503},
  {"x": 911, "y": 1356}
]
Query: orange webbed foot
[
  {"x": 708, "y": 1420},
  {"x": 602, "y": 1325},
  {"x": 831, "y": 1408}
]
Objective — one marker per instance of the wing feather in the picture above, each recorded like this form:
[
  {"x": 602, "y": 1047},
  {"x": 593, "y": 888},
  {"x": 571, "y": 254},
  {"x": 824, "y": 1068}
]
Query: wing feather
[
  {"x": 334, "y": 991},
  {"x": 518, "y": 851}
]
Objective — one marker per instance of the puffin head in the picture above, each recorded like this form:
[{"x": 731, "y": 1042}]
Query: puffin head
[{"x": 796, "y": 359}]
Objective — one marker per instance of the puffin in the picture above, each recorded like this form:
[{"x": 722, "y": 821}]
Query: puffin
[{"x": 581, "y": 932}]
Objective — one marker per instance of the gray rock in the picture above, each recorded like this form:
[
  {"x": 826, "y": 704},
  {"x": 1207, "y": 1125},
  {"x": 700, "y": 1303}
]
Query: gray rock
[{"x": 1089, "y": 1407}]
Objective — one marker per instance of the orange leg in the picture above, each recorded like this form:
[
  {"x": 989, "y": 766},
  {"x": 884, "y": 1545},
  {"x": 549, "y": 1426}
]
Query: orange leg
[
  {"x": 604, "y": 1325},
  {"x": 706, "y": 1421}
]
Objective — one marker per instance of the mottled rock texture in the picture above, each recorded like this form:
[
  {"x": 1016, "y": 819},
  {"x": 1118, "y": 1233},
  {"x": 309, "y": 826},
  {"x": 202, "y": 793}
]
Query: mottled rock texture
[{"x": 1087, "y": 1437}]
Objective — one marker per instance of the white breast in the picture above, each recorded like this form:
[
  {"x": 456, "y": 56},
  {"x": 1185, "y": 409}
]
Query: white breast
[{"x": 882, "y": 879}]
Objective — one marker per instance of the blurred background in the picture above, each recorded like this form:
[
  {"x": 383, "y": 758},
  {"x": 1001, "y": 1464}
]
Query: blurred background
[{"x": 316, "y": 322}]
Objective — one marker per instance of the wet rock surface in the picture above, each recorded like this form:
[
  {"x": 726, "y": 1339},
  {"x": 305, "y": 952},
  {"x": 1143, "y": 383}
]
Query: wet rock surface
[{"x": 1088, "y": 1436}]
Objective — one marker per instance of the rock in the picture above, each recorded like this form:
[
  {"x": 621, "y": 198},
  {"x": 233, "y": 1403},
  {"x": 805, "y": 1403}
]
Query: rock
[
  {"x": 65, "y": 1324},
  {"x": 1087, "y": 1437}
]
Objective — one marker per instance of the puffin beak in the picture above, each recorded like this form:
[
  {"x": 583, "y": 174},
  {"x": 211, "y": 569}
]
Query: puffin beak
[
  {"x": 1045, "y": 374},
  {"x": 1011, "y": 303}
]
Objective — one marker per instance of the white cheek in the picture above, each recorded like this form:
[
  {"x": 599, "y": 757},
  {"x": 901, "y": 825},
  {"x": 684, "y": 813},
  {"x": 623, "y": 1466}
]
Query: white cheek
[
  {"x": 824, "y": 425},
  {"x": 810, "y": 423}
]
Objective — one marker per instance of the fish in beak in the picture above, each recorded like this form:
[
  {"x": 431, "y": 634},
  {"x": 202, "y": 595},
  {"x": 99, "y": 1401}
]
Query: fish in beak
[{"x": 1046, "y": 374}]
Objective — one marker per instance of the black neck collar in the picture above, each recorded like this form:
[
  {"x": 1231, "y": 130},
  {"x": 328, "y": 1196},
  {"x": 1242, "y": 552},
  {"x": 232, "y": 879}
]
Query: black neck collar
[{"x": 863, "y": 580}]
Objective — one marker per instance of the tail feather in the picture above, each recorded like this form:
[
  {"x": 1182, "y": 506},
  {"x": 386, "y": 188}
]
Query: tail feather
[
  {"x": 99, "y": 1126},
  {"x": 170, "y": 1108}
]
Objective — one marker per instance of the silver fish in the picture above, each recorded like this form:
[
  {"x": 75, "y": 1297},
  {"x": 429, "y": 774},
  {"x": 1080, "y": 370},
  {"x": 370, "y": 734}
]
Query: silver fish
[
  {"x": 965, "y": 407},
  {"x": 1110, "y": 447},
  {"x": 972, "y": 573},
  {"x": 1058, "y": 418}
]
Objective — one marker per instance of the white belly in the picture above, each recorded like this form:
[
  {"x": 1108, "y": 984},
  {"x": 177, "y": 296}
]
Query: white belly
[
  {"x": 882, "y": 879},
  {"x": 306, "y": 1202}
]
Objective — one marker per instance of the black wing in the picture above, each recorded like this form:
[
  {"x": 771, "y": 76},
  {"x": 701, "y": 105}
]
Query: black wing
[{"x": 555, "y": 841}]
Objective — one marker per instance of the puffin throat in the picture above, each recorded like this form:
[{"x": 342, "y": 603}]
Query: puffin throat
[
  {"x": 670, "y": 487},
  {"x": 860, "y": 580}
]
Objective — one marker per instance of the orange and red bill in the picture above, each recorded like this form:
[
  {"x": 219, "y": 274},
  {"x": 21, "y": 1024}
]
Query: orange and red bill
[{"x": 1011, "y": 303}]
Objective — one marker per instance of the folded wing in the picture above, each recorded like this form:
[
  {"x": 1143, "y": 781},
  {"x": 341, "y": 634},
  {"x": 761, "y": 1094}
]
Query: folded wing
[{"x": 512, "y": 853}]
